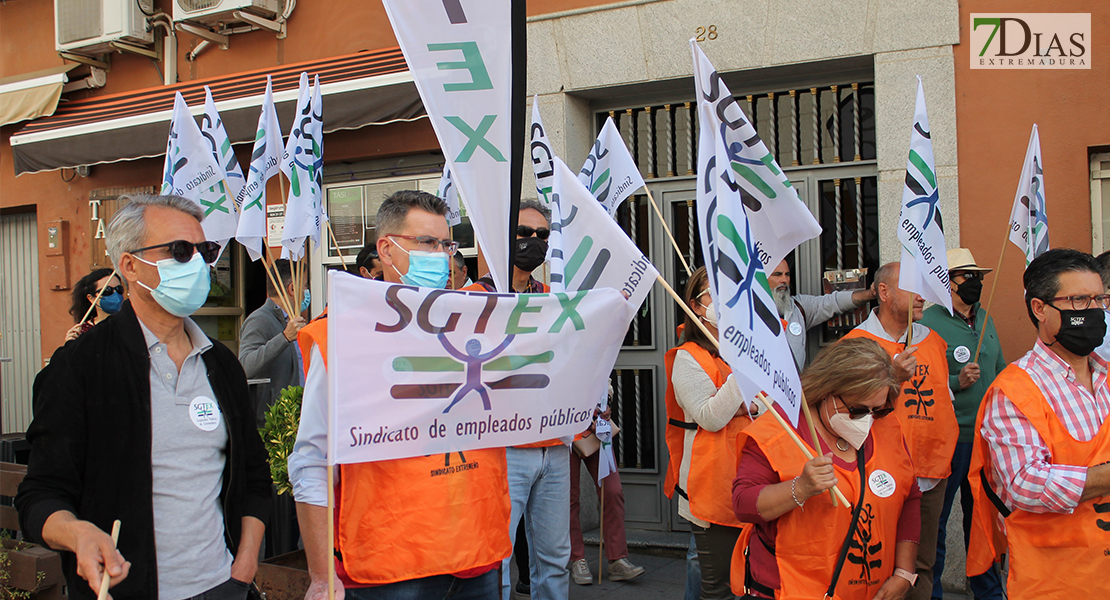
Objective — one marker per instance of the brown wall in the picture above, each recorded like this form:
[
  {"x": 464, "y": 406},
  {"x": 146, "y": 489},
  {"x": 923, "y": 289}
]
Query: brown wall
[{"x": 995, "y": 112}]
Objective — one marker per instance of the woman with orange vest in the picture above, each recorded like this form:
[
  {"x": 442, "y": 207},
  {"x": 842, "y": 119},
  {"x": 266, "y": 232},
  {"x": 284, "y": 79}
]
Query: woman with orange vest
[
  {"x": 802, "y": 546},
  {"x": 705, "y": 412}
]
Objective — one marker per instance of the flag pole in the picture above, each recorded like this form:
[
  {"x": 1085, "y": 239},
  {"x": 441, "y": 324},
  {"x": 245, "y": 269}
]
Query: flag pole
[
  {"x": 990, "y": 299},
  {"x": 97, "y": 299},
  {"x": 106, "y": 579},
  {"x": 797, "y": 441},
  {"x": 331, "y": 527},
  {"x": 668, "y": 230},
  {"x": 689, "y": 311},
  {"x": 601, "y": 533},
  {"x": 813, "y": 435},
  {"x": 909, "y": 323},
  {"x": 275, "y": 278}
]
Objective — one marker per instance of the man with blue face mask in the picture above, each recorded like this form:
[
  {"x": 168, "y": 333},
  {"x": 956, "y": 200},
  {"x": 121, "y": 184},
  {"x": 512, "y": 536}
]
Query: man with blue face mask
[
  {"x": 401, "y": 531},
  {"x": 146, "y": 420}
]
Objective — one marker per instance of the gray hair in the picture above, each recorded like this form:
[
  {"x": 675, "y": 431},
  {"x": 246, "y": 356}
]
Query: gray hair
[
  {"x": 127, "y": 230},
  {"x": 1042, "y": 276},
  {"x": 392, "y": 212},
  {"x": 537, "y": 206},
  {"x": 460, "y": 262},
  {"x": 886, "y": 274}
]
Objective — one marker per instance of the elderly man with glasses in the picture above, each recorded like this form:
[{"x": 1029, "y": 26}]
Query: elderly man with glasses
[
  {"x": 1042, "y": 460},
  {"x": 969, "y": 377},
  {"x": 146, "y": 420}
]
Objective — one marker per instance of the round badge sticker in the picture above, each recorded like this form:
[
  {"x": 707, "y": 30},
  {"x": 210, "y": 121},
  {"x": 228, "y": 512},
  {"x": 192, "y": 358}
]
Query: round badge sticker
[
  {"x": 205, "y": 413},
  {"x": 961, "y": 354},
  {"x": 881, "y": 483},
  {"x": 795, "y": 328}
]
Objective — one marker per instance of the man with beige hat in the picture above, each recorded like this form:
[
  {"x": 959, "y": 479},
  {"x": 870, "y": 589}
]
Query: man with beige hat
[{"x": 969, "y": 379}]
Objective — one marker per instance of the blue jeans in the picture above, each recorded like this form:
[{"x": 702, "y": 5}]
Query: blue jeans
[
  {"x": 987, "y": 586},
  {"x": 693, "y": 571},
  {"x": 539, "y": 486},
  {"x": 482, "y": 587},
  {"x": 232, "y": 589}
]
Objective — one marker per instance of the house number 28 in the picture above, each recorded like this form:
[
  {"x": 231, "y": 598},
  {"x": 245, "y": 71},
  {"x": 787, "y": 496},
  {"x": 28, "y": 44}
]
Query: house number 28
[{"x": 706, "y": 33}]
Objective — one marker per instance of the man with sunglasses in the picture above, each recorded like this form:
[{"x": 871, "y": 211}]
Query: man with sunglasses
[
  {"x": 401, "y": 530},
  {"x": 146, "y": 420},
  {"x": 923, "y": 408},
  {"x": 1044, "y": 447},
  {"x": 968, "y": 379}
]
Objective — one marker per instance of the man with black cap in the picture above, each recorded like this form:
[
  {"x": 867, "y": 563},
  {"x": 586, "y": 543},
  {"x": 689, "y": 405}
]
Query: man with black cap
[{"x": 969, "y": 379}]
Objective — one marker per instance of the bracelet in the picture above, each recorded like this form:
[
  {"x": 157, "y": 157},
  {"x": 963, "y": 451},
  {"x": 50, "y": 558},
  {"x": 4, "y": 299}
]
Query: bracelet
[{"x": 793, "y": 493}]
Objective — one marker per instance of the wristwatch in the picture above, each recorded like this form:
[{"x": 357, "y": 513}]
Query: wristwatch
[{"x": 904, "y": 574}]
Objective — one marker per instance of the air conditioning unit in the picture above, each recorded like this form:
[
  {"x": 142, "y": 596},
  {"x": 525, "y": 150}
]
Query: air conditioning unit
[
  {"x": 90, "y": 26},
  {"x": 210, "y": 12}
]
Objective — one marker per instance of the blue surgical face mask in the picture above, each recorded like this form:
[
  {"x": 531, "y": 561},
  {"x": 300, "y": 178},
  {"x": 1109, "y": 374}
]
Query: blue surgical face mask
[
  {"x": 426, "y": 269},
  {"x": 111, "y": 304},
  {"x": 306, "y": 301},
  {"x": 183, "y": 287}
]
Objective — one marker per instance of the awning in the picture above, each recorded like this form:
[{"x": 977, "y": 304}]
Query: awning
[
  {"x": 360, "y": 89},
  {"x": 32, "y": 95}
]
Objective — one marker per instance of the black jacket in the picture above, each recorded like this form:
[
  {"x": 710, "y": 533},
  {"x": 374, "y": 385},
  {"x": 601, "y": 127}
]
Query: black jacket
[{"x": 90, "y": 447}]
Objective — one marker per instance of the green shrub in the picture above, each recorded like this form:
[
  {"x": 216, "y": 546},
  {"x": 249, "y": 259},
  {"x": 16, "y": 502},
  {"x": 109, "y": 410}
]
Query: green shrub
[{"x": 280, "y": 433}]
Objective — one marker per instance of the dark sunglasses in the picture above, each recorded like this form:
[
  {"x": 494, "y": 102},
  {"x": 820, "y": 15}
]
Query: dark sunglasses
[
  {"x": 859, "y": 412},
  {"x": 112, "y": 289},
  {"x": 526, "y": 231},
  {"x": 182, "y": 251}
]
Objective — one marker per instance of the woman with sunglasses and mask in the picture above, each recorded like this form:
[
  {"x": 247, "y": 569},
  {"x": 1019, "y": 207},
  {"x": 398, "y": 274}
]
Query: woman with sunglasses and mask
[
  {"x": 705, "y": 413},
  {"x": 85, "y": 294},
  {"x": 802, "y": 546}
]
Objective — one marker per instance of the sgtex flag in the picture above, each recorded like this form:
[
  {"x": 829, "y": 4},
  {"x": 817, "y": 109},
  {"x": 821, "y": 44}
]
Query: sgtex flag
[
  {"x": 589, "y": 250},
  {"x": 303, "y": 163},
  {"x": 779, "y": 219},
  {"x": 450, "y": 195},
  {"x": 609, "y": 172},
  {"x": 265, "y": 159},
  {"x": 752, "y": 338},
  {"x": 1028, "y": 221},
  {"x": 212, "y": 128},
  {"x": 924, "y": 260},
  {"x": 417, "y": 371},
  {"x": 539, "y": 149},
  {"x": 460, "y": 58},
  {"x": 192, "y": 171}
]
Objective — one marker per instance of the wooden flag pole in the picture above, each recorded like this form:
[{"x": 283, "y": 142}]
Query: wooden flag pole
[
  {"x": 97, "y": 299},
  {"x": 331, "y": 531},
  {"x": 909, "y": 323},
  {"x": 813, "y": 435},
  {"x": 797, "y": 441},
  {"x": 990, "y": 299},
  {"x": 106, "y": 578},
  {"x": 601, "y": 533},
  {"x": 270, "y": 267},
  {"x": 689, "y": 311},
  {"x": 335, "y": 243},
  {"x": 668, "y": 230}
]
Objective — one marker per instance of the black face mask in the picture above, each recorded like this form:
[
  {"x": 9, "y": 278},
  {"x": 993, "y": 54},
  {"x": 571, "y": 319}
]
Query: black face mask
[
  {"x": 1081, "y": 331},
  {"x": 530, "y": 253},
  {"x": 970, "y": 290}
]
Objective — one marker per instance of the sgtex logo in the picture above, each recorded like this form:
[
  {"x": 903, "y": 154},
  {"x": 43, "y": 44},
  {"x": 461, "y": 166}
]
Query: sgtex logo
[{"x": 1031, "y": 41}]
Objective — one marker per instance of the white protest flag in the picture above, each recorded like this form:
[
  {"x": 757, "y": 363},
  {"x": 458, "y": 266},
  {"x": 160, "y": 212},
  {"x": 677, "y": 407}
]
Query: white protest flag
[
  {"x": 924, "y": 267},
  {"x": 265, "y": 159},
  {"x": 589, "y": 250},
  {"x": 450, "y": 194},
  {"x": 779, "y": 219},
  {"x": 212, "y": 128},
  {"x": 539, "y": 149},
  {"x": 460, "y": 57},
  {"x": 606, "y": 461},
  {"x": 610, "y": 172},
  {"x": 1028, "y": 219},
  {"x": 418, "y": 371},
  {"x": 299, "y": 163},
  {"x": 753, "y": 341},
  {"x": 192, "y": 171}
]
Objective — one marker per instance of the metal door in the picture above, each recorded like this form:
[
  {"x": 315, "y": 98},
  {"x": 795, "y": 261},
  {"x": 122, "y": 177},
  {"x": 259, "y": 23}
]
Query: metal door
[{"x": 20, "y": 330}]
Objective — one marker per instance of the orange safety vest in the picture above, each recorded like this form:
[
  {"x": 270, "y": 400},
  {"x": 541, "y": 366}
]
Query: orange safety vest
[
  {"x": 808, "y": 542},
  {"x": 1052, "y": 555},
  {"x": 410, "y": 518},
  {"x": 714, "y": 453},
  {"x": 924, "y": 408}
]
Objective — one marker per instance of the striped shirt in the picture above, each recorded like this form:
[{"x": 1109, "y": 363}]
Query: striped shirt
[{"x": 1023, "y": 473}]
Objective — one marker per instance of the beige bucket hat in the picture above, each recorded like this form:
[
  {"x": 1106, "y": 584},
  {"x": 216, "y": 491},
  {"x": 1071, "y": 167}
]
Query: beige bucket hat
[{"x": 960, "y": 259}]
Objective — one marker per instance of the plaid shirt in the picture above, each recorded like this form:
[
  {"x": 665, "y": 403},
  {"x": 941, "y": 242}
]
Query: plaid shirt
[{"x": 1020, "y": 456}]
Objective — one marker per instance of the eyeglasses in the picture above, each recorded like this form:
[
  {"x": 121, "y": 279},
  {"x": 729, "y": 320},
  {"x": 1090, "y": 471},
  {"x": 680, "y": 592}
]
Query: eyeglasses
[
  {"x": 428, "y": 243},
  {"x": 969, "y": 275},
  {"x": 182, "y": 251},
  {"x": 1083, "y": 302},
  {"x": 526, "y": 231},
  {"x": 112, "y": 289},
  {"x": 859, "y": 412}
]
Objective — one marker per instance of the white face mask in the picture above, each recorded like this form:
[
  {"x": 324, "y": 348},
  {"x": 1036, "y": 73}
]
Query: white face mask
[
  {"x": 853, "y": 431},
  {"x": 710, "y": 312}
]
